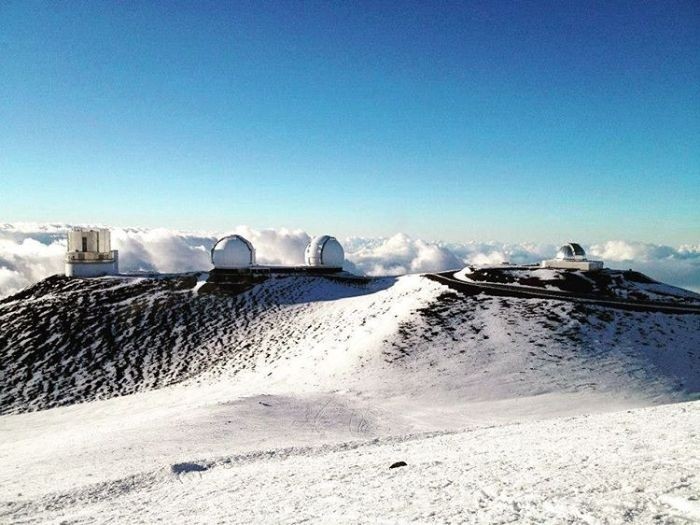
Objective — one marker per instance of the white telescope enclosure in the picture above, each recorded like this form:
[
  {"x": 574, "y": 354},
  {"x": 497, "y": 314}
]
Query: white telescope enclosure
[
  {"x": 232, "y": 252},
  {"x": 89, "y": 253},
  {"x": 324, "y": 251},
  {"x": 572, "y": 256}
]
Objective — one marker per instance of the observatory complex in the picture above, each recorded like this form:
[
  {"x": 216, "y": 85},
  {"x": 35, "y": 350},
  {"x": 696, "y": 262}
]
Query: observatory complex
[
  {"x": 233, "y": 258},
  {"x": 572, "y": 257},
  {"x": 89, "y": 253}
]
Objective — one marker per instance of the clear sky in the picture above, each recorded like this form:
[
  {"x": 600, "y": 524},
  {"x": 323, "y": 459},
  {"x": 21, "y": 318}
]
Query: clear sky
[{"x": 475, "y": 120}]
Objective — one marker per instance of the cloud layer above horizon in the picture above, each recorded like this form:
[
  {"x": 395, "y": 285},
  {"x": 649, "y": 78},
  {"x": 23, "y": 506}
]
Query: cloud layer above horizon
[{"x": 29, "y": 253}]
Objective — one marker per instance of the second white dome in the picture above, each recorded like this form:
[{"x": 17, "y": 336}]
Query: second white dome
[
  {"x": 324, "y": 251},
  {"x": 571, "y": 252}
]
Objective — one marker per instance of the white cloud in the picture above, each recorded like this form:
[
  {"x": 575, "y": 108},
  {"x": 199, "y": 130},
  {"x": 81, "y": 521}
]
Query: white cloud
[
  {"x": 496, "y": 252},
  {"x": 276, "y": 246},
  {"x": 26, "y": 261},
  {"x": 12, "y": 281},
  {"x": 161, "y": 250},
  {"x": 398, "y": 255},
  {"x": 678, "y": 266},
  {"x": 30, "y": 252}
]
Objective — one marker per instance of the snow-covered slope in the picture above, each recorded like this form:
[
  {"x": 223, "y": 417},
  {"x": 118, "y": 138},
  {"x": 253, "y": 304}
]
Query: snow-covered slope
[
  {"x": 66, "y": 341},
  {"x": 605, "y": 283},
  {"x": 289, "y": 401},
  {"x": 635, "y": 466}
]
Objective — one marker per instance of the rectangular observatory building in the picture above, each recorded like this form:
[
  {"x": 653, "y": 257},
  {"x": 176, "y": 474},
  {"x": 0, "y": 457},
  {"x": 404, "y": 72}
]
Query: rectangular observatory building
[{"x": 89, "y": 253}]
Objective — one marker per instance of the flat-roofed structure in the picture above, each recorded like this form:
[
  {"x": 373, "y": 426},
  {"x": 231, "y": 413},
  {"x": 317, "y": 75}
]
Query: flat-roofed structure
[{"x": 89, "y": 253}]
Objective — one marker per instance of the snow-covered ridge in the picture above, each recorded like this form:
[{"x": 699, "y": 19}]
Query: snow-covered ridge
[
  {"x": 606, "y": 283},
  {"x": 134, "y": 399},
  {"x": 66, "y": 341}
]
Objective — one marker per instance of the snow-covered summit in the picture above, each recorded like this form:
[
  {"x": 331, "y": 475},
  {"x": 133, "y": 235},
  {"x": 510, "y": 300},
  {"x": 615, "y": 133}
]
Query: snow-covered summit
[
  {"x": 134, "y": 399},
  {"x": 604, "y": 283},
  {"x": 66, "y": 341}
]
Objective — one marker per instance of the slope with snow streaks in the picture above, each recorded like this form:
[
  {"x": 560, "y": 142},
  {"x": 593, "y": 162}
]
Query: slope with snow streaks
[
  {"x": 321, "y": 383},
  {"x": 498, "y": 347},
  {"x": 603, "y": 284},
  {"x": 66, "y": 341}
]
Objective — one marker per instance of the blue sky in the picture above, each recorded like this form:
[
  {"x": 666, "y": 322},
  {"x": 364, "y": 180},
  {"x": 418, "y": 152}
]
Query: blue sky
[{"x": 514, "y": 121}]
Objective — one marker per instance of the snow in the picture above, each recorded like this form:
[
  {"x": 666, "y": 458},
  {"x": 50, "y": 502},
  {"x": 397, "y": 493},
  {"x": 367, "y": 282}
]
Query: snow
[
  {"x": 303, "y": 391},
  {"x": 605, "y": 283},
  {"x": 201, "y": 281},
  {"x": 634, "y": 465}
]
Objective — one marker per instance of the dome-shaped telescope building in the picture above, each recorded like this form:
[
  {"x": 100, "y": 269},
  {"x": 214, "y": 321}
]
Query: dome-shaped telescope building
[
  {"x": 572, "y": 256},
  {"x": 232, "y": 252},
  {"x": 324, "y": 252},
  {"x": 571, "y": 252},
  {"x": 235, "y": 267}
]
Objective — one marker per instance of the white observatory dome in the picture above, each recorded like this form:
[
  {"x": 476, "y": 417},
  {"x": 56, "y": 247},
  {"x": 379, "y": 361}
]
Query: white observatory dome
[
  {"x": 324, "y": 251},
  {"x": 232, "y": 251},
  {"x": 571, "y": 252}
]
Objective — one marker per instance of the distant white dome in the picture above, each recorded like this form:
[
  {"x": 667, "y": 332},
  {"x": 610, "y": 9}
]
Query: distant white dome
[
  {"x": 232, "y": 251},
  {"x": 324, "y": 251},
  {"x": 571, "y": 252}
]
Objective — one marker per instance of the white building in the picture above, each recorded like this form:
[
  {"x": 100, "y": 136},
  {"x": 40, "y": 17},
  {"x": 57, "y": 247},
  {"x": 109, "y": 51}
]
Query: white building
[
  {"x": 233, "y": 252},
  {"x": 89, "y": 253},
  {"x": 572, "y": 257},
  {"x": 324, "y": 252}
]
